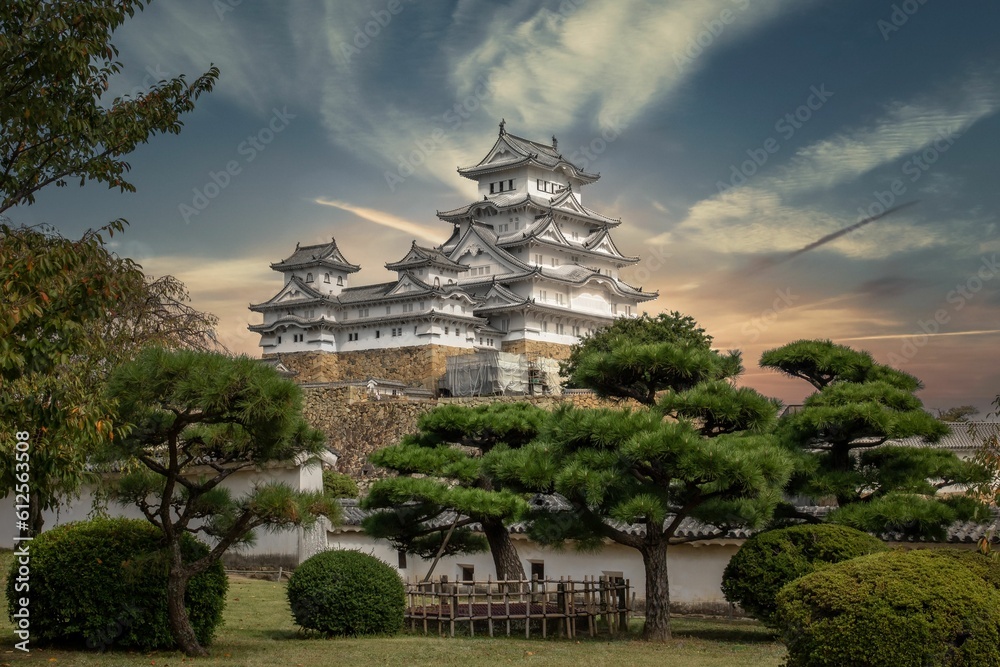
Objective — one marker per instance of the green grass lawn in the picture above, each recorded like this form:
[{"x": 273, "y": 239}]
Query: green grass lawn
[{"x": 258, "y": 631}]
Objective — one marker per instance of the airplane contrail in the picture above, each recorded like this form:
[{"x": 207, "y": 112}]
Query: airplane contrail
[{"x": 768, "y": 263}]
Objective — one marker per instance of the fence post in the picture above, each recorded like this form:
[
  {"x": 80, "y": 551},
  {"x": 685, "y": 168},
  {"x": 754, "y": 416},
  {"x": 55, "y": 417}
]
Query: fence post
[{"x": 622, "y": 596}]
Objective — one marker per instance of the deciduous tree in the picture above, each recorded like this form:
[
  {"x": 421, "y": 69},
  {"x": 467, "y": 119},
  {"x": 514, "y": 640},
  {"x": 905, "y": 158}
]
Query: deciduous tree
[
  {"x": 57, "y": 64},
  {"x": 74, "y": 311}
]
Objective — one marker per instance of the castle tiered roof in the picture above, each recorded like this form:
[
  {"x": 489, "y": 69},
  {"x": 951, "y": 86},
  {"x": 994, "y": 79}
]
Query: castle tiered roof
[
  {"x": 511, "y": 151},
  {"x": 319, "y": 255}
]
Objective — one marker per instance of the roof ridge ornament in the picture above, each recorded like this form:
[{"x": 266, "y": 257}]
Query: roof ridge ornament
[
  {"x": 555, "y": 143},
  {"x": 503, "y": 122}
]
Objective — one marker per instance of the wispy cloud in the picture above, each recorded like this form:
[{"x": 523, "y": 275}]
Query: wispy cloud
[
  {"x": 762, "y": 216},
  {"x": 981, "y": 332},
  {"x": 615, "y": 58},
  {"x": 385, "y": 219},
  {"x": 905, "y": 127}
]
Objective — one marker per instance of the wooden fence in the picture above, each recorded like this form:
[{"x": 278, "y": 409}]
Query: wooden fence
[{"x": 491, "y": 606}]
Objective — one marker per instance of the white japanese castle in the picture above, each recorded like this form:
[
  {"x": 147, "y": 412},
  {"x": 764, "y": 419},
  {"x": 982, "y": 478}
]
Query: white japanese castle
[{"x": 527, "y": 269}]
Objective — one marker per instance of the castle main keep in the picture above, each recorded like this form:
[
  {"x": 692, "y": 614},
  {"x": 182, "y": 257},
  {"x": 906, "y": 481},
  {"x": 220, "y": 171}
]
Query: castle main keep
[{"x": 527, "y": 269}]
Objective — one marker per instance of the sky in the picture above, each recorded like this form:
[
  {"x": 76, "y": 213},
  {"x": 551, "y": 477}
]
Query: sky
[{"x": 728, "y": 135}]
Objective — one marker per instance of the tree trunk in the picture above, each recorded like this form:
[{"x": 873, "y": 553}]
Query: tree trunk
[
  {"x": 35, "y": 517},
  {"x": 180, "y": 624},
  {"x": 657, "y": 627},
  {"x": 505, "y": 558}
]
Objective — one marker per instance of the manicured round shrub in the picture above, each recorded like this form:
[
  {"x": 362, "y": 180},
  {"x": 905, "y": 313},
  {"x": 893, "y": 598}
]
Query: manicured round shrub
[
  {"x": 769, "y": 560},
  {"x": 103, "y": 583},
  {"x": 347, "y": 593},
  {"x": 900, "y": 608}
]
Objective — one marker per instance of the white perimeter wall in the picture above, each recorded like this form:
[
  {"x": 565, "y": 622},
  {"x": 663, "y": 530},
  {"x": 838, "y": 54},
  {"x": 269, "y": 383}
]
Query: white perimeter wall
[
  {"x": 286, "y": 542},
  {"x": 695, "y": 570}
]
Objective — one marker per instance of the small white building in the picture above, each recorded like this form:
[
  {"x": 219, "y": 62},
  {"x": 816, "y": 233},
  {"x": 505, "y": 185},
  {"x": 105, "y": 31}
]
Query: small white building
[{"x": 526, "y": 264}]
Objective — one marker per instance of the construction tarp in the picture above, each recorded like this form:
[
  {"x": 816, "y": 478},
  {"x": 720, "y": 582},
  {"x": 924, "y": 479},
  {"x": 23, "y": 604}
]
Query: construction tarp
[{"x": 487, "y": 373}]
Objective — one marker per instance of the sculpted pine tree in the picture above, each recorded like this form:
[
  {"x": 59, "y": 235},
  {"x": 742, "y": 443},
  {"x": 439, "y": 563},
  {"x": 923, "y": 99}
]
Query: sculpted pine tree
[
  {"x": 443, "y": 489},
  {"x": 634, "y": 477},
  {"x": 841, "y": 432},
  {"x": 193, "y": 419}
]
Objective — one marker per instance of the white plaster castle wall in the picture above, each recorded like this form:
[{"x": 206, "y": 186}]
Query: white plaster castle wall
[{"x": 694, "y": 570}]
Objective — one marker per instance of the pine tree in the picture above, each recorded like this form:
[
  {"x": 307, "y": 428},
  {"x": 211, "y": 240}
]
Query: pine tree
[
  {"x": 193, "y": 419},
  {"x": 841, "y": 431},
  {"x": 702, "y": 452},
  {"x": 444, "y": 501}
]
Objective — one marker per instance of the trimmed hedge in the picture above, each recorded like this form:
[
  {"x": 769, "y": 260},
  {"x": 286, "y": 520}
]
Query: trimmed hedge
[
  {"x": 900, "y": 608},
  {"x": 338, "y": 485},
  {"x": 769, "y": 560},
  {"x": 347, "y": 593},
  {"x": 103, "y": 583}
]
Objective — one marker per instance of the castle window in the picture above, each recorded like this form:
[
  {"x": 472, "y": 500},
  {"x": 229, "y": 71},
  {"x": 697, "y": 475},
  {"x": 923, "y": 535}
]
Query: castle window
[
  {"x": 437, "y": 282},
  {"x": 559, "y": 329},
  {"x": 326, "y": 277},
  {"x": 560, "y": 298},
  {"x": 539, "y": 259},
  {"x": 340, "y": 280},
  {"x": 446, "y": 331},
  {"x": 309, "y": 277},
  {"x": 378, "y": 333},
  {"x": 545, "y": 327},
  {"x": 279, "y": 340},
  {"x": 388, "y": 310},
  {"x": 555, "y": 262}
]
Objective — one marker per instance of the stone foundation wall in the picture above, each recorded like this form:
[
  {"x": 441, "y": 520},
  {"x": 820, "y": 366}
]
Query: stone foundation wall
[
  {"x": 418, "y": 366},
  {"x": 550, "y": 350},
  {"x": 356, "y": 424}
]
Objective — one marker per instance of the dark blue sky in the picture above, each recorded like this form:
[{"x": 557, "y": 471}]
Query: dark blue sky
[{"x": 727, "y": 132}]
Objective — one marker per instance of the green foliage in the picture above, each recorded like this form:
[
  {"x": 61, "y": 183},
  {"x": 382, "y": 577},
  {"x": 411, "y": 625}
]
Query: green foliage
[
  {"x": 189, "y": 409},
  {"x": 632, "y": 346},
  {"x": 899, "y": 608},
  {"x": 769, "y": 560},
  {"x": 715, "y": 462},
  {"x": 55, "y": 121},
  {"x": 859, "y": 405},
  {"x": 56, "y": 292},
  {"x": 442, "y": 470},
  {"x": 103, "y": 583},
  {"x": 72, "y": 308},
  {"x": 347, "y": 594},
  {"x": 338, "y": 485}
]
